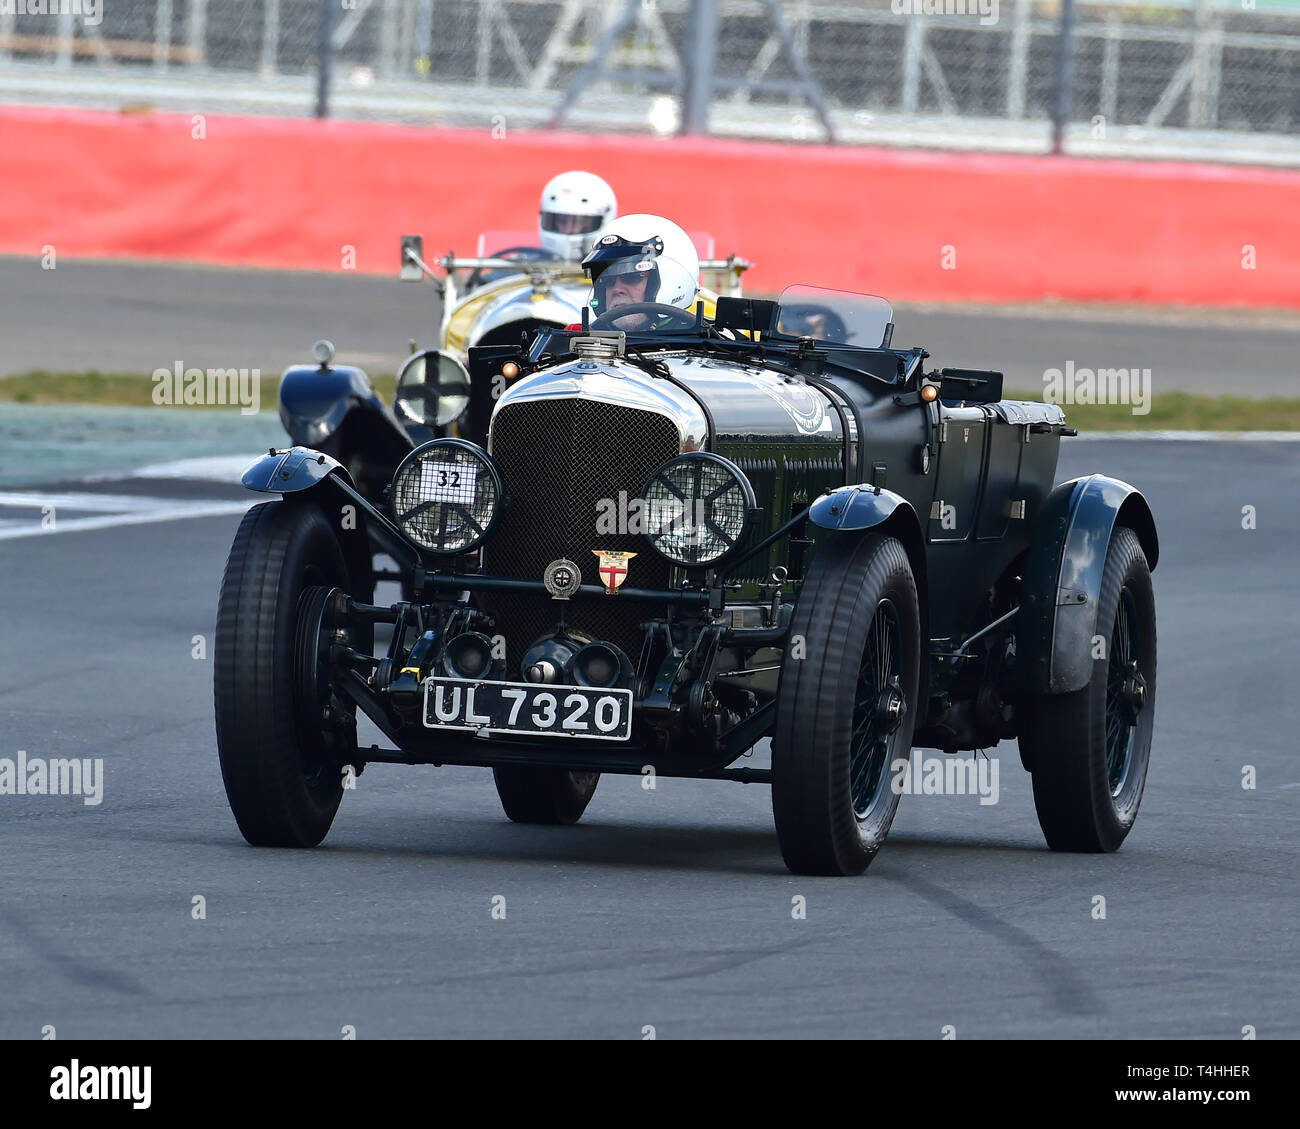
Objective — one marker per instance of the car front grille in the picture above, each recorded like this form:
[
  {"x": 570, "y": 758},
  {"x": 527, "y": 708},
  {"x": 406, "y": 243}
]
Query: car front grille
[{"x": 559, "y": 458}]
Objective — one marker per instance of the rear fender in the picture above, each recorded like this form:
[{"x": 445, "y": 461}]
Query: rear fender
[{"x": 1063, "y": 574}]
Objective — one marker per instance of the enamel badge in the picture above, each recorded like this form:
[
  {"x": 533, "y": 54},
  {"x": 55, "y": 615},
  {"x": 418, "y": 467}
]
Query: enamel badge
[
  {"x": 562, "y": 579},
  {"x": 613, "y": 568}
]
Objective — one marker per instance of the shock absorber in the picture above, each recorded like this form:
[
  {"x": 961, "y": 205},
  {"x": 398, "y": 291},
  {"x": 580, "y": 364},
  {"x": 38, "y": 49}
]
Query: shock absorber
[{"x": 404, "y": 690}]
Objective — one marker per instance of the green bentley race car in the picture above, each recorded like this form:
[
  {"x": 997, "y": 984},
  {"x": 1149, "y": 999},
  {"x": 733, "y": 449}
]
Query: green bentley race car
[{"x": 672, "y": 542}]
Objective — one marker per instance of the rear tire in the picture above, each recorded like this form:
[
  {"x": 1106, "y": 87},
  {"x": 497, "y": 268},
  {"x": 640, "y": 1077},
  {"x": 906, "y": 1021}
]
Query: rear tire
[
  {"x": 1089, "y": 750},
  {"x": 283, "y": 775},
  {"x": 846, "y": 709},
  {"x": 540, "y": 794}
]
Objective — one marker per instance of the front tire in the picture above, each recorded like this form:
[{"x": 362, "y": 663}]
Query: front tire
[
  {"x": 1090, "y": 750},
  {"x": 282, "y": 771},
  {"x": 540, "y": 794},
  {"x": 846, "y": 707}
]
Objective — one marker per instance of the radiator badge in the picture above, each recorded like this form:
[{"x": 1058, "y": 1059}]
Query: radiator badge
[
  {"x": 613, "y": 569},
  {"x": 562, "y": 579}
]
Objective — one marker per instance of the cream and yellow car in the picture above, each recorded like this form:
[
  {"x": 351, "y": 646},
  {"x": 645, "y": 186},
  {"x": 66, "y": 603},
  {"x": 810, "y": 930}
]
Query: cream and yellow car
[{"x": 494, "y": 297}]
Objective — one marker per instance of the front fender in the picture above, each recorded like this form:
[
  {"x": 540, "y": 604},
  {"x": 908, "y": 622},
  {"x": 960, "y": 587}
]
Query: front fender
[
  {"x": 855, "y": 507},
  {"x": 291, "y": 471},
  {"x": 1063, "y": 574},
  {"x": 296, "y": 471},
  {"x": 362, "y": 528}
]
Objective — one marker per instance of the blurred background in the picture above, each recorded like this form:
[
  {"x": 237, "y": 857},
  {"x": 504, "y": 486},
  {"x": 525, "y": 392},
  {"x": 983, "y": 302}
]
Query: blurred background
[
  {"x": 1207, "y": 78},
  {"x": 1031, "y": 182}
]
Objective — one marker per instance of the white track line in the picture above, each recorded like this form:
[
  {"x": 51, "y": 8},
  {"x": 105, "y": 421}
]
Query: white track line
[
  {"x": 1197, "y": 436},
  {"x": 91, "y": 503},
  {"x": 142, "y": 511},
  {"x": 213, "y": 468}
]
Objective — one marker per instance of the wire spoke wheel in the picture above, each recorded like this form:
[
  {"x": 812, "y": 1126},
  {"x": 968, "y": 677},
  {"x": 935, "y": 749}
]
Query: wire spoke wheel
[
  {"x": 281, "y": 738},
  {"x": 1089, "y": 749},
  {"x": 846, "y": 707},
  {"x": 1125, "y": 691},
  {"x": 877, "y": 709}
]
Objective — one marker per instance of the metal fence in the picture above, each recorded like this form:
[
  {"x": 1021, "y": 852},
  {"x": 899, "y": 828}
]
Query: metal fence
[{"x": 1216, "y": 77}]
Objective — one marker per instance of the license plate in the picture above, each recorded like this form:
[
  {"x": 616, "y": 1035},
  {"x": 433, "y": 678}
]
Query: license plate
[{"x": 578, "y": 712}]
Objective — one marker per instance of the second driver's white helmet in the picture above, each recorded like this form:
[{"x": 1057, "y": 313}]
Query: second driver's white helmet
[
  {"x": 649, "y": 245},
  {"x": 574, "y": 206}
]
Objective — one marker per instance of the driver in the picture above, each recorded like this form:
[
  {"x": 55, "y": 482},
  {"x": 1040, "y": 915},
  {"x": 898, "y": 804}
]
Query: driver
[
  {"x": 639, "y": 259},
  {"x": 575, "y": 205}
]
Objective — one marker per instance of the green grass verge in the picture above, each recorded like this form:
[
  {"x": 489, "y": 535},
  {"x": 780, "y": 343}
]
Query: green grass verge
[
  {"x": 1183, "y": 411},
  {"x": 123, "y": 389},
  {"x": 1170, "y": 411}
]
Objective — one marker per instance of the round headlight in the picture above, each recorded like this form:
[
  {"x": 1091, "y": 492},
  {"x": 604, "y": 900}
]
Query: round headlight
[
  {"x": 697, "y": 509},
  {"x": 447, "y": 495},
  {"x": 432, "y": 389}
]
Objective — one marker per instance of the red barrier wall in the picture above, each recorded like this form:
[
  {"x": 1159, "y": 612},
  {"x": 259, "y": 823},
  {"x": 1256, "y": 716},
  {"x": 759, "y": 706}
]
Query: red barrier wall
[{"x": 290, "y": 193}]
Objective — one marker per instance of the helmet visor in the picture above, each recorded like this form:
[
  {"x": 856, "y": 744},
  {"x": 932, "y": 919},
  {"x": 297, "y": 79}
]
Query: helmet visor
[
  {"x": 565, "y": 223},
  {"x": 613, "y": 249},
  {"x": 636, "y": 280}
]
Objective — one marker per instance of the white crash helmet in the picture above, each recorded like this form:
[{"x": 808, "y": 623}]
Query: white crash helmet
[
  {"x": 574, "y": 206},
  {"x": 649, "y": 245}
]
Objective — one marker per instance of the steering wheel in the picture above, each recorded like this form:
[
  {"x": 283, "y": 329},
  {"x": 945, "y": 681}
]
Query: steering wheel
[
  {"x": 521, "y": 254},
  {"x": 679, "y": 318}
]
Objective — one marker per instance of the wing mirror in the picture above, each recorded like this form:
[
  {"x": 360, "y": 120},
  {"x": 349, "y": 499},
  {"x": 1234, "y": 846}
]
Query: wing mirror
[
  {"x": 412, "y": 257},
  {"x": 432, "y": 389},
  {"x": 975, "y": 386}
]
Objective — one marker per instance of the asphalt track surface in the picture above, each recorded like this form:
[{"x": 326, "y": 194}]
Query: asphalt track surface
[
  {"x": 122, "y": 317},
  {"x": 668, "y": 908}
]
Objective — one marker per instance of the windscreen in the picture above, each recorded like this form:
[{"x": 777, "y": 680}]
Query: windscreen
[{"x": 838, "y": 316}]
